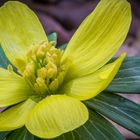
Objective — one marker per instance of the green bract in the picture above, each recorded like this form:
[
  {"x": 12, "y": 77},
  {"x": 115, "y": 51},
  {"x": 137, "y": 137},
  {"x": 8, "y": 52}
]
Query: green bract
[{"x": 51, "y": 83}]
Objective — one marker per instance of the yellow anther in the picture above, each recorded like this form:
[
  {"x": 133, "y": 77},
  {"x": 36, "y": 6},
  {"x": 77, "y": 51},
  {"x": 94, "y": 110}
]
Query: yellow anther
[
  {"x": 45, "y": 61},
  {"x": 54, "y": 56},
  {"x": 53, "y": 51},
  {"x": 54, "y": 85},
  {"x": 40, "y": 81},
  {"x": 50, "y": 65},
  {"x": 48, "y": 54},
  {"x": 40, "y": 53},
  {"x": 50, "y": 59},
  {"x": 51, "y": 70},
  {"x": 29, "y": 70},
  {"x": 51, "y": 73},
  {"x": 41, "y": 85},
  {"x": 42, "y": 73}
]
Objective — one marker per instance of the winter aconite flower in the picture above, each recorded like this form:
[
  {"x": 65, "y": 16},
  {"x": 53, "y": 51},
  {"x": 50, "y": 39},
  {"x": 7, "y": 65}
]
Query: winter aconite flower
[{"x": 46, "y": 93}]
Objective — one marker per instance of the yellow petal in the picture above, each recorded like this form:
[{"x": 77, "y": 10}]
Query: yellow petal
[
  {"x": 98, "y": 38},
  {"x": 13, "y": 88},
  {"x": 19, "y": 29},
  {"x": 16, "y": 116},
  {"x": 89, "y": 86},
  {"x": 55, "y": 115}
]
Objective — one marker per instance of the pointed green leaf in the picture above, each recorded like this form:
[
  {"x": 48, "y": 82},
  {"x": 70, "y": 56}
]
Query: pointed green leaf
[
  {"x": 24, "y": 134},
  {"x": 21, "y": 134},
  {"x": 68, "y": 136},
  {"x": 63, "y": 47},
  {"x": 117, "y": 108},
  {"x": 52, "y": 37},
  {"x": 128, "y": 78},
  {"x": 4, "y": 62},
  {"x": 3, "y": 135},
  {"x": 98, "y": 128}
]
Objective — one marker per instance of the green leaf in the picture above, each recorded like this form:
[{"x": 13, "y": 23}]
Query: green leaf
[
  {"x": 128, "y": 78},
  {"x": 3, "y": 135},
  {"x": 4, "y": 62},
  {"x": 62, "y": 47},
  {"x": 24, "y": 134},
  {"x": 52, "y": 37},
  {"x": 21, "y": 134},
  {"x": 68, "y": 136},
  {"x": 98, "y": 128},
  {"x": 117, "y": 108}
]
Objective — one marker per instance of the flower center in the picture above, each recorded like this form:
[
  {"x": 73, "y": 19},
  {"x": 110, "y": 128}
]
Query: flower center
[{"x": 45, "y": 71}]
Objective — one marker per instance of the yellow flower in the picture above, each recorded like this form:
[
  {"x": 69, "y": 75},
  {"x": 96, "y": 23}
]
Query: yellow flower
[{"x": 52, "y": 84}]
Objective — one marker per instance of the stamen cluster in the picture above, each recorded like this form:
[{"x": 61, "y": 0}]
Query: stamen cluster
[{"x": 44, "y": 70}]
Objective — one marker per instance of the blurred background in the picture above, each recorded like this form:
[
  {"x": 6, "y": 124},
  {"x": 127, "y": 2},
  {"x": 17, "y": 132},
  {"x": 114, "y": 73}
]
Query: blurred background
[{"x": 64, "y": 17}]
